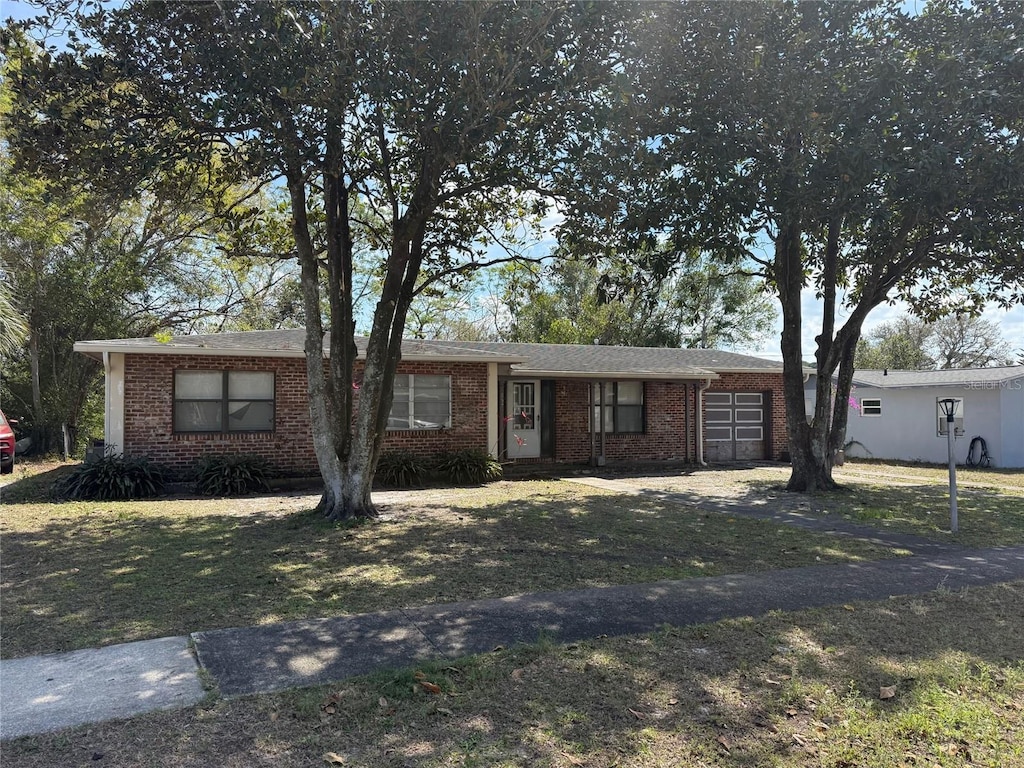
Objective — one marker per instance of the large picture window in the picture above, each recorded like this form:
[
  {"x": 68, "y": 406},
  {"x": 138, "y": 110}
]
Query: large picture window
[
  {"x": 223, "y": 401},
  {"x": 623, "y": 406},
  {"x": 421, "y": 402}
]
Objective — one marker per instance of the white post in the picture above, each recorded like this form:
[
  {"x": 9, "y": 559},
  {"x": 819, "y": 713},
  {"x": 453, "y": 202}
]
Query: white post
[{"x": 954, "y": 525}]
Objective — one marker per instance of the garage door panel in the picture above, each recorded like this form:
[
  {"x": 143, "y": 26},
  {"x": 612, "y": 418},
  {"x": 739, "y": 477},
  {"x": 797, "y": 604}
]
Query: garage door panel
[{"x": 735, "y": 426}]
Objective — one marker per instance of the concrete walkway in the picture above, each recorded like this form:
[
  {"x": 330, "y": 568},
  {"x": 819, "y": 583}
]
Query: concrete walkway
[{"x": 60, "y": 690}]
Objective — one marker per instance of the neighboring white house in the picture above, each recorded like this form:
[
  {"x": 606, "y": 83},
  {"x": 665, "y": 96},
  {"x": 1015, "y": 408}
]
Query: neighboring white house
[{"x": 896, "y": 415}]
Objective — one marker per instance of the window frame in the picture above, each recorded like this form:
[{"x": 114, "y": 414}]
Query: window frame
[
  {"x": 874, "y": 403},
  {"x": 615, "y": 407},
  {"x": 412, "y": 404},
  {"x": 224, "y": 428}
]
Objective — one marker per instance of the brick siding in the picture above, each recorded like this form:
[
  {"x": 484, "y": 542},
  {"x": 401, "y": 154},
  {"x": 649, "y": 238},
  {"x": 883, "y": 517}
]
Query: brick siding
[
  {"x": 149, "y": 428},
  {"x": 670, "y": 410},
  {"x": 289, "y": 447}
]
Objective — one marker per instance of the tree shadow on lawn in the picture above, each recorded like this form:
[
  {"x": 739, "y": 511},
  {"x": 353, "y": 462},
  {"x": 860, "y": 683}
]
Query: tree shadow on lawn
[
  {"x": 987, "y": 517},
  {"x": 128, "y": 572},
  {"x": 800, "y": 686},
  {"x": 795, "y": 689}
]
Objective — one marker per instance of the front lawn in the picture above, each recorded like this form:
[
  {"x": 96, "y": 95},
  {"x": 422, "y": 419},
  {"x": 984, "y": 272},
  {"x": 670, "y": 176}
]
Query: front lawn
[
  {"x": 87, "y": 574},
  {"x": 907, "y": 498},
  {"x": 921, "y": 682}
]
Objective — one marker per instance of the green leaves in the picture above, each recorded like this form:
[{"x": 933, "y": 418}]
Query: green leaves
[{"x": 112, "y": 478}]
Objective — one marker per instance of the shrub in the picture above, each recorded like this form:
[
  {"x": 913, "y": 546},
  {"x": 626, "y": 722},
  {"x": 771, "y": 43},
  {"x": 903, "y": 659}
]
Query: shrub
[
  {"x": 110, "y": 478},
  {"x": 401, "y": 469},
  {"x": 231, "y": 475},
  {"x": 468, "y": 466}
]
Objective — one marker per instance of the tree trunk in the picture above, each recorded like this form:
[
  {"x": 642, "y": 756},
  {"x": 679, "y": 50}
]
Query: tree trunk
[
  {"x": 346, "y": 492},
  {"x": 811, "y": 464}
]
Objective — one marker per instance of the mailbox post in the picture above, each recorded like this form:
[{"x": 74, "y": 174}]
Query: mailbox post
[{"x": 948, "y": 407}]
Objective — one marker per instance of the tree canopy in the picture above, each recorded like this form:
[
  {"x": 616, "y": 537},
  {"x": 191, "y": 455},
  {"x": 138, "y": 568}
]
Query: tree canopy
[
  {"x": 848, "y": 149},
  {"x": 955, "y": 341}
]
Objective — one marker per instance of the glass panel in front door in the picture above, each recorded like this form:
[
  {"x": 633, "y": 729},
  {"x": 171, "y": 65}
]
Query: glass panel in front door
[{"x": 524, "y": 405}]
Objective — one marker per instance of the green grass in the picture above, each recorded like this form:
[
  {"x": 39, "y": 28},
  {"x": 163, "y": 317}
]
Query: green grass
[
  {"x": 87, "y": 574},
  {"x": 896, "y": 497},
  {"x": 987, "y": 516},
  {"x": 984, "y": 477},
  {"x": 789, "y": 690}
]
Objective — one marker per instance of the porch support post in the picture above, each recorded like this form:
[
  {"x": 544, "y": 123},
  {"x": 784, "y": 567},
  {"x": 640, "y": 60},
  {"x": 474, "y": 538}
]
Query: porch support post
[
  {"x": 601, "y": 459},
  {"x": 493, "y": 411},
  {"x": 593, "y": 423},
  {"x": 113, "y": 407},
  {"x": 686, "y": 422}
]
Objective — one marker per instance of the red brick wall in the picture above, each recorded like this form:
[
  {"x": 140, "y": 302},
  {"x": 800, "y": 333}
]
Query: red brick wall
[
  {"x": 149, "y": 427},
  {"x": 666, "y": 436},
  {"x": 663, "y": 439}
]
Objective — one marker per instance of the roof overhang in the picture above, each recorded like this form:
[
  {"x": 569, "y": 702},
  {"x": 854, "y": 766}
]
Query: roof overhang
[
  {"x": 96, "y": 349},
  {"x": 525, "y": 373}
]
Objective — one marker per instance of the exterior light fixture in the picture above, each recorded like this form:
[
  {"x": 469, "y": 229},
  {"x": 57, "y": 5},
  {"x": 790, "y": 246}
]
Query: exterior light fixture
[{"x": 948, "y": 408}]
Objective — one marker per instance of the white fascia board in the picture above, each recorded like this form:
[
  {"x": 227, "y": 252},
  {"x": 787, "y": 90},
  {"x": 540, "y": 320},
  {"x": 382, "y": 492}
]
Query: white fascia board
[
  {"x": 94, "y": 348},
  {"x": 719, "y": 369}
]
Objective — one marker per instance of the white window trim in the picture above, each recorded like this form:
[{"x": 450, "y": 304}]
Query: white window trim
[
  {"x": 871, "y": 402},
  {"x": 412, "y": 406}
]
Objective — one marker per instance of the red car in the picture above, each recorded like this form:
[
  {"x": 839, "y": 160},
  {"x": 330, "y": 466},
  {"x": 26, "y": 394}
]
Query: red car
[{"x": 6, "y": 445}]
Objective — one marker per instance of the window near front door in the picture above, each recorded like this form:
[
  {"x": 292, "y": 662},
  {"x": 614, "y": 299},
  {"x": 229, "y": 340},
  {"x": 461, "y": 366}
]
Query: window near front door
[
  {"x": 623, "y": 407},
  {"x": 223, "y": 401},
  {"x": 421, "y": 402}
]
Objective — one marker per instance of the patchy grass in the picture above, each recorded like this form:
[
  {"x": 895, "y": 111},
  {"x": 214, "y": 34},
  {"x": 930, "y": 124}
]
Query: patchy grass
[
  {"x": 990, "y": 477},
  {"x": 927, "y": 681},
  {"x": 987, "y": 516},
  {"x": 905, "y": 498},
  {"x": 82, "y": 574}
]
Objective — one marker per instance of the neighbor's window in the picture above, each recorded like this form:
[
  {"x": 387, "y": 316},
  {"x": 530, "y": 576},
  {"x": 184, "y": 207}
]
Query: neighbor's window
[
  {"x": 223, "y": 401},
  {"x": 421, "y": 402},
  {"x": 623, "y": 406},
  {"x": 871, "y": 406}
]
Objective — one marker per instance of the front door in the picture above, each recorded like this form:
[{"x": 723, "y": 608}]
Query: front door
[{"x": 522, "y": 427}]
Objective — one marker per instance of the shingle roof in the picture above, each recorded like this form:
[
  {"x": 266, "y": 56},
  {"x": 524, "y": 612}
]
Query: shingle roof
[
  {"x": 588, "y": 359},
  {"x": 956, "y": 377},
  {"x": 565, "y": 360}
]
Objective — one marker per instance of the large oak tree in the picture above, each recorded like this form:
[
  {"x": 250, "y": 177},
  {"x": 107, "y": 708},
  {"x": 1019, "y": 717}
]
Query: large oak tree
[
  {"x": 848, "y": 149},
  {"x": 428, "y": 120}
]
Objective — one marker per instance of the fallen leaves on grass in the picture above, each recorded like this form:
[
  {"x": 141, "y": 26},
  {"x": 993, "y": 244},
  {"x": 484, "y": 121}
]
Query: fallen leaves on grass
[
  {"x": 887, "y": 692},
  {"x": 333, "y": 758},
  {"x": 330, "y": 705}
]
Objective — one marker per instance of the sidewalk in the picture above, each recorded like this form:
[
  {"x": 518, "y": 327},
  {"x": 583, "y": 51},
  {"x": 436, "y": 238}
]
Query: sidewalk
[{"x": 47, "y": 693}]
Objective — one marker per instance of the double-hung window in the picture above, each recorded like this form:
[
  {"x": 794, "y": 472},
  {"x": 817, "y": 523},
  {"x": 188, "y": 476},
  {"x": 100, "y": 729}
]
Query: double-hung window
[
  {"x": 421, "y": 402},
  {"x": 223, "y": 401},
  {"x": 870, "y": 406},
  {"x": 623, "y": 406}
]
